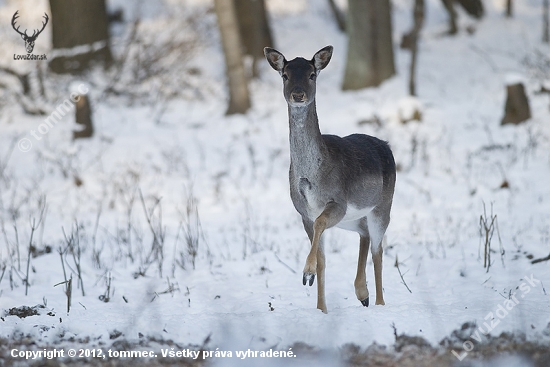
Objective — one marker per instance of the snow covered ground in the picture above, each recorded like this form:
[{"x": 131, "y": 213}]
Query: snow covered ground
[{"x": 220, "y": 185}]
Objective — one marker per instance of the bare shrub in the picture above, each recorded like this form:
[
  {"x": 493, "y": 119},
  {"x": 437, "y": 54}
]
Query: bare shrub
[
  {"x": 193, "y": 233},
  {"x": 153, "y": 216},
  {"x": 155, "y": 56},
  {"x": 487, "y": 227}
]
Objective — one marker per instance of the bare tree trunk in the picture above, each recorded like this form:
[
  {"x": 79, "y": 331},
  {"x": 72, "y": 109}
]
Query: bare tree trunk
[
  {"x": 360, "y": 71},
  {"x": 254, "y": 29},
  {"x": 338, "y": 16},
  {"x": 79, "y": 23},
  {"x": 386, "y": 65},
  {"x": 509, "y": 8},
  {"x": 449, "y": 5},
  {"x": 370, "y": 58},
  {"x": 545, "y": 22},
  {"x": 239, "y": 101},
  {"x": 418, "y": 15}
]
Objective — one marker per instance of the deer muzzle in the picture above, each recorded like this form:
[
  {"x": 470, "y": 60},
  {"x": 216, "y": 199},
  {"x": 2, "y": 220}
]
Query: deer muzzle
[{"x": 298, "y": 96}]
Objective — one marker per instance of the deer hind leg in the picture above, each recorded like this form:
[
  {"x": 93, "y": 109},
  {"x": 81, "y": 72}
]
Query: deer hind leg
[
  {"x": 321, "y": 303},
  {"x": 377, "y": 222},
  {"x": 315, "y": 262},
  {"x": 361, "y": 290},
  {"x": 377, "y": 259}
]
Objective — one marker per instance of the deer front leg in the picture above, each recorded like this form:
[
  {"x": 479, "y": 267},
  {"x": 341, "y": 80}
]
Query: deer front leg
[{"x": 315, "y": 262}]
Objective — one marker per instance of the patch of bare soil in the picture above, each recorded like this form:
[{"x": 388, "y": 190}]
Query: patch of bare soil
[
  {"x": 407, "y": 351},
  {"x": 493, "y": 354},
  {"x": 456, "y": 350},
  {"x": 26, "y": 311}
]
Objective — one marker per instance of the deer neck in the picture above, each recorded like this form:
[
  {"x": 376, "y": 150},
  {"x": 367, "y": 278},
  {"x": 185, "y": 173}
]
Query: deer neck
[{"x": 306, "y": 144}]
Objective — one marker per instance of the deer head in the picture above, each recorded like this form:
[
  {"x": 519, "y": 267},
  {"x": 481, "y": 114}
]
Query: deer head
[
  {"x": 29, "y": 40},
  {"x": 299, "y": 75}
]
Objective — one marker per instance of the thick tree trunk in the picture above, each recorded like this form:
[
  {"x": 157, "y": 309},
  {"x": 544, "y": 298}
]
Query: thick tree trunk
[
  {"x": 239, "y": 101},
  {"x": 360, "y": 67},
  {"x": 338, "y": 16},
  {"x": 418, "y": 15},
  {"x": 79, "y": 23},
  {"x": 386, "y": 65},
  {"x": 370, "y": 58},
  {"x": 545, "y": 22},
  {"x": 509, "y": 8},
  {"x": 254, "y": 29}
]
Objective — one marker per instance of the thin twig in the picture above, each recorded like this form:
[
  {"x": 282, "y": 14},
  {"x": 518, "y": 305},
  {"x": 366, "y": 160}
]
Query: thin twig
[
  {"x": 4, "y": 162},
  {"x": 100, "y": 209},
  {"x": 76, "y": 257},
  {"x": 33, "y": 227},
  {"x": 62, "y": 265},
  {"x": 487, "y": 228},
  {"x": 486, "y": 280},
  {"x": 401, "y": 275},
  {"x": 68, "y": 288},
  {"x": 282, "y": 262},
  {"x": 157, "y": 247},
  {"x": 3, "y": 271},
  {"x": 69, "y": 293},
  {"x": 536, "y": 261},
  {"x": 17, "y": 246}
]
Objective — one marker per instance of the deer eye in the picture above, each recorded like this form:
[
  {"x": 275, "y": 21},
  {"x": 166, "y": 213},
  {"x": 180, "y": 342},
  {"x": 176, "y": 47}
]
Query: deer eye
[
  {"x": 285, "y": 77},
  {"x": 313, "y": 76}
]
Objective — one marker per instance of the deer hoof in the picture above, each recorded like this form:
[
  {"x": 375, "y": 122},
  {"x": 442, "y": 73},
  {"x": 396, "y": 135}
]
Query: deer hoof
[
  {"x": 310, "y": 277},
  {"x": 365, "y": 302}
]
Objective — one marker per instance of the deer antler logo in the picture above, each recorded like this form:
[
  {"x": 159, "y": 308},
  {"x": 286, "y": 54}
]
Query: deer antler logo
[{"x": 29, "y": 40}]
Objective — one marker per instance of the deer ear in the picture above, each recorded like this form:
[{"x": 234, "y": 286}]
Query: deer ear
[
  {"x": 275, "y": 58},
  {"x": 23, "y": 36},
  {"x": 322, "y": 57}
]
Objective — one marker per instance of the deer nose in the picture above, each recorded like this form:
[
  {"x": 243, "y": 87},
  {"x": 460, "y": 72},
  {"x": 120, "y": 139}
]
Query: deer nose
[{"x": 298, "y": 96}]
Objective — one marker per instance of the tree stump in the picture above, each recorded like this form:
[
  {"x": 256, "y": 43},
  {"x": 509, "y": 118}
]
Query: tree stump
[
  {"x": 517, "y": 108},
  {"x": 83, "y": 116}
]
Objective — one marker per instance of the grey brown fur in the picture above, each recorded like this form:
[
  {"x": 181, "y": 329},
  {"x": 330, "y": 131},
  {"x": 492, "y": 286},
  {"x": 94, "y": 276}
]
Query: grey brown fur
[{"x": 345, "y": 182}]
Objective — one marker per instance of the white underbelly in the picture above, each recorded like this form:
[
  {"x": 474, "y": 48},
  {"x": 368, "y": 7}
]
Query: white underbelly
[
  {"x": 352, "y": 219},
  {"x": 353, "y": 213}
]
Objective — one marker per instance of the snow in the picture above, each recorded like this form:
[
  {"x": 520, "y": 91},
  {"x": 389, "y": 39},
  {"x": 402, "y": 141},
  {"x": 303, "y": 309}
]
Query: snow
[
  {"x": 245, "y": 289},
  {"x": 514, "y": 78}
]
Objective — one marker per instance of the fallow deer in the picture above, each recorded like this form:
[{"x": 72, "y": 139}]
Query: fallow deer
[{"x": 344, "y": 182}]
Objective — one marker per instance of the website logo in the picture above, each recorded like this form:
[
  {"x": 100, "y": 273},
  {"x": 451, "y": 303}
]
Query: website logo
[{"x": 29, "y": 40}]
